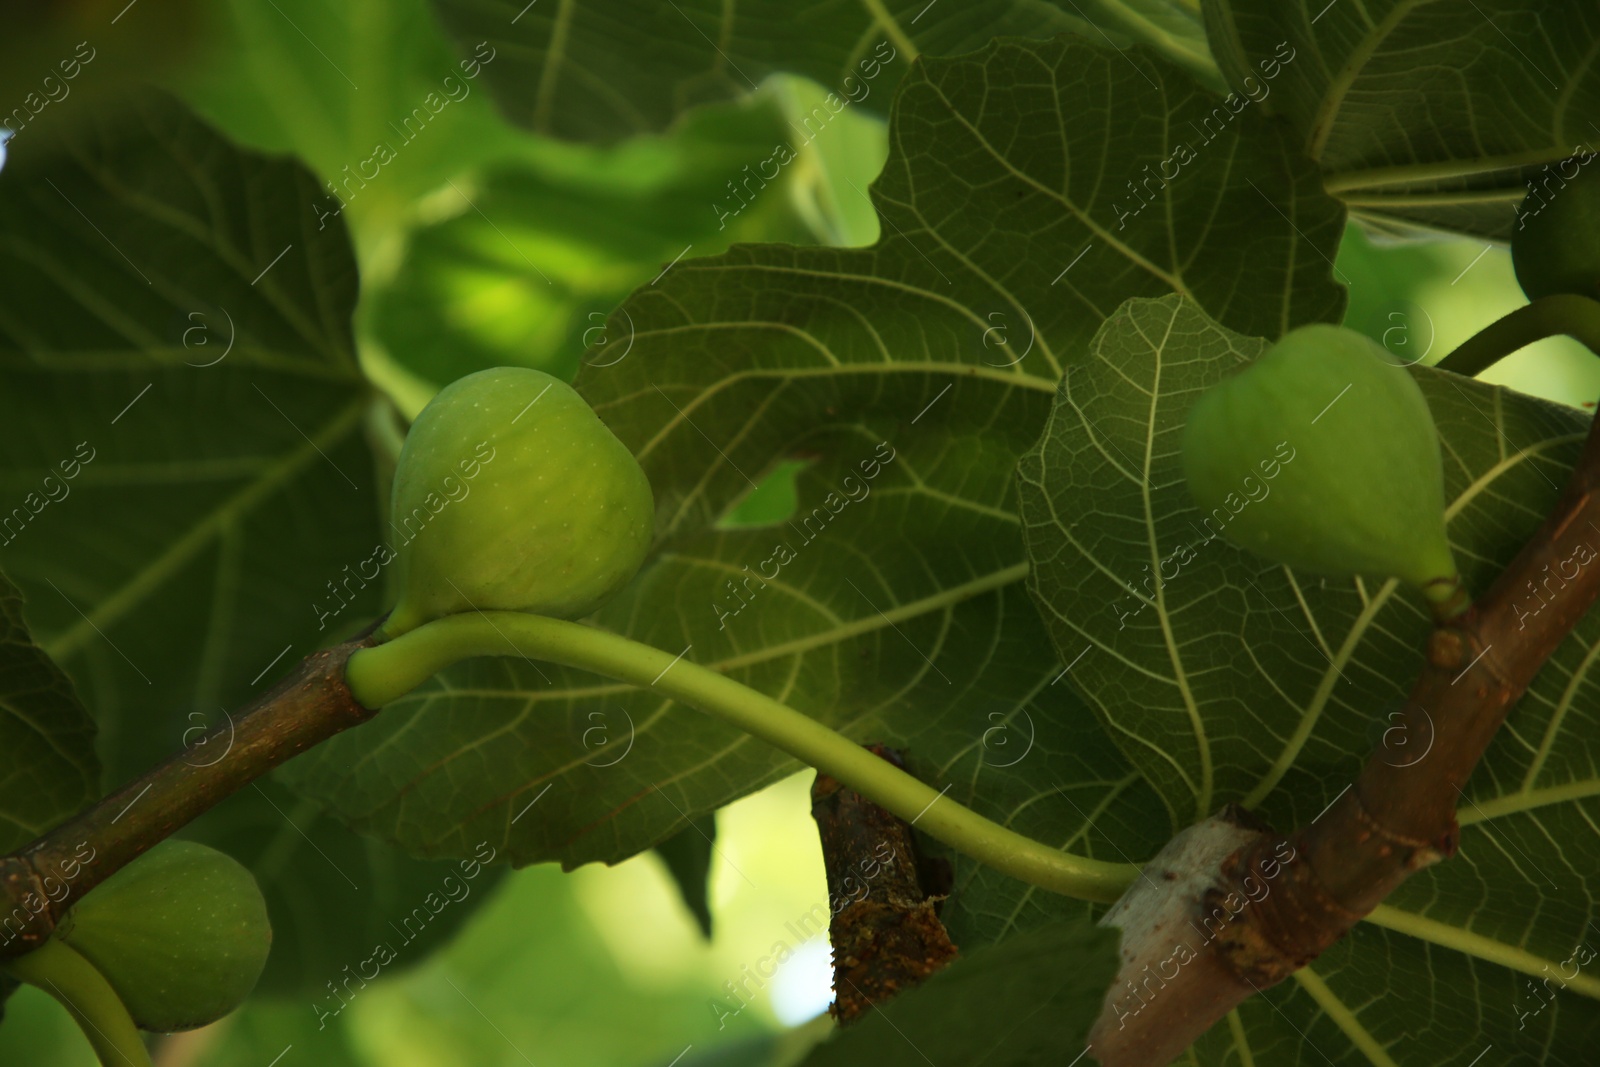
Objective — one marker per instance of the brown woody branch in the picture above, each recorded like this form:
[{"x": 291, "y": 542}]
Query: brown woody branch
[
  {"x": 883, "y": 898},
  {"x": 39, "y": 883},
  {"x": 1268, "y": 904}
]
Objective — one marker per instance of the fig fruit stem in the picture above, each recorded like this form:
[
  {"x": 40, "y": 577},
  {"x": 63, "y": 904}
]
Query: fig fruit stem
[
  {"x": 1447, "y": 598},
  {"x": 381, "y": 674},
  {"x": 1575, "y": 316},
  {"x": 73, "y": 981}
]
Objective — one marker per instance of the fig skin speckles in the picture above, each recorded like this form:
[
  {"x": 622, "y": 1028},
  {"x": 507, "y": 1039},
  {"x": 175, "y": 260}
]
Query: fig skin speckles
[
  {"x": 1322, "y": 455},
  {"x": 511, "y": 495},
  {"x": 181, "y": 934}
]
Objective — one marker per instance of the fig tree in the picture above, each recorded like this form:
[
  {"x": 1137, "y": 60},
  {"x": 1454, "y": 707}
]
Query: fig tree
[
  {"x": 510, "y": 494},
  {"x": 1322, "y": 455},
  {"x": 181, "y": 934},
  {"x": 1555, "y": 247}
]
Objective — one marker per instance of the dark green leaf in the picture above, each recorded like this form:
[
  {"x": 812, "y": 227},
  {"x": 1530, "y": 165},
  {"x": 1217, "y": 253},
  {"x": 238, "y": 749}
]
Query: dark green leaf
[
  {"x": 688, "y": 859},
  {"x": 1026, "y": 1002},
  {"x": 1421, "y": 113},
  {"x": 593, "y": 72},
  {"x": 177, "y": 337},
  {"x": 50, "y": 771},
  {"x": 1231, "y": 679},
  {"x": 1382, "y": 999}
]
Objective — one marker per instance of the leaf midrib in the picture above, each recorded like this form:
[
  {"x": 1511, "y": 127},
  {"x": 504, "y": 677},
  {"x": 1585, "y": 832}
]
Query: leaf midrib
[{"x": 1339, "y": 87}]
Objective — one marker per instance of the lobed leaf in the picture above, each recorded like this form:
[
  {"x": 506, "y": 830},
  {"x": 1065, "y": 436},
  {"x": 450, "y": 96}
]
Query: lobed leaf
[
  {"x": 908, "y": 377},
  {"x": 590, "y": 72},
  {"x": 1231, "y": 679},
  {"x": 1423, "y": 114},
  {"x": 177, "y": 337}
]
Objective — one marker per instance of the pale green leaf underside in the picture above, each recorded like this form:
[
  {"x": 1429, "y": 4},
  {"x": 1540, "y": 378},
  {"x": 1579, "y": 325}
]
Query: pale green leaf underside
[
  {"x": 1238, "y": 680},
  {"x": 1391, "y": 1001},
  {"x": 901, "y": 617},
  {"x": 1420, "y": 111},
  {"x": 605, "y": 71}
]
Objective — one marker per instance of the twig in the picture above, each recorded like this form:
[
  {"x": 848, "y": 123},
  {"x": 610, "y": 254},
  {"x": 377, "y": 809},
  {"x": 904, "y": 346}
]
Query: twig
[
  {"x": 309, "y": 706},
  {"x": 1306, "y": 890}
]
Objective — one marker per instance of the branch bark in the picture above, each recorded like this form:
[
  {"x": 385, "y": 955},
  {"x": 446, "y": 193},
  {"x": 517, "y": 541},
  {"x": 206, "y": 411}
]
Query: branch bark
[
  {"x": 1271, "y": 903},
  {"x": 39, "y": 883},
  {"x": 884, "y": 915}
]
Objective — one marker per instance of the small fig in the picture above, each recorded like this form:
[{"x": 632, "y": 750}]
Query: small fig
[
  {"x": 512, "y": 495},
  {"x": 181, "y": 934},
  {"x": 1322, "y": 455},
  {"x": 1555, "y": 247}
]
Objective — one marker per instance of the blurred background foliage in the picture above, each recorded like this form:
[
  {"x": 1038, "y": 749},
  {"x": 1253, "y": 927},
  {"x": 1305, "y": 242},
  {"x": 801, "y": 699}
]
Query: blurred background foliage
[{"x": 481, "y": 244}]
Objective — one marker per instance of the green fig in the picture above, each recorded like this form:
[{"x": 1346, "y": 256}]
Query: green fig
[
  {"x": 511, "y": 494},
  {"x": 1555, "y": 247},
  {"x": 181, "y": 934},
  {"x": 1322, "y": 455}
]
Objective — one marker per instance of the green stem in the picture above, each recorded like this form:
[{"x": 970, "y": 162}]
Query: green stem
[
  {"x": 386, "y": 672},
  {"x": 58, "y": 970},
  {"x": 1447, "y": 597},
  {"x": 1549, "y": 316}
]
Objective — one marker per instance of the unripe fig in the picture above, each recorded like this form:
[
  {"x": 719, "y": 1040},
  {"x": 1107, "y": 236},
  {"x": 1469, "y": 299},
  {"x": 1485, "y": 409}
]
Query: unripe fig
[
  {"x": 181, "y": 934},
  {"x": 511, "y": 494},
  {"x": 1556, "y": 245},
  {"x": 1322, "y": 455}
]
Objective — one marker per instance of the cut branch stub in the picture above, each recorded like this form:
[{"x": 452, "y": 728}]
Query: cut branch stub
[{"x": 884, "y": 922}]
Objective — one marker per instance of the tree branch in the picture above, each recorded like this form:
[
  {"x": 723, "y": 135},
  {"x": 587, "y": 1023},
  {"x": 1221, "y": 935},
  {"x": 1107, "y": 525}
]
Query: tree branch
[
  {"x": 39, "y": 883},
  {"x": 1233, "y": 906},
  {"x": 1271, "y": 903}
]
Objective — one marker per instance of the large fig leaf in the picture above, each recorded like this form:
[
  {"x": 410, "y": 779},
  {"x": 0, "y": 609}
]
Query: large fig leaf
[
  {"x": 601, "y": 72},
  {"x": 178, "y": 334},
  {"x": 49, "y": 770},
  {"x": 1423, "y": 113},
  {"x": 182, "y": 430},
  {"x": 909, "y": 377},
  {"x": 1231, "y": 679}
]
